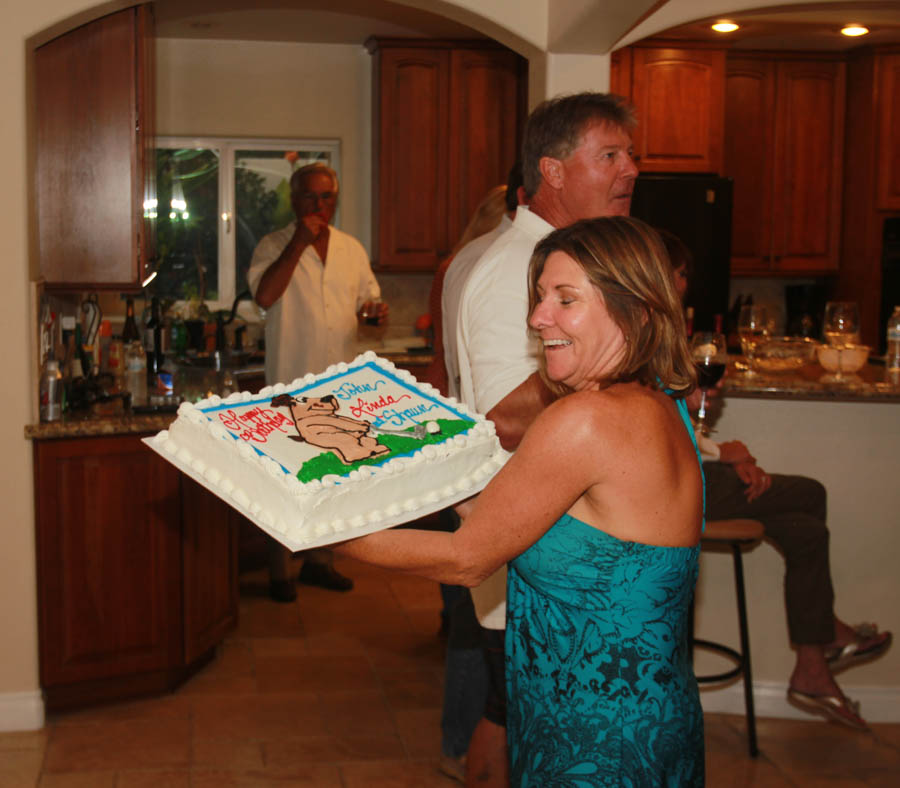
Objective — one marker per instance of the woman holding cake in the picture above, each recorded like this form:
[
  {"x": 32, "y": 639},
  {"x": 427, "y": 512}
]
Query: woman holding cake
[{"x": 599, "y": 515}]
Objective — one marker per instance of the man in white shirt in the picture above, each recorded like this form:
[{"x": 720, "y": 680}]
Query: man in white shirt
[
  {"x": 577, "y": 164},
  {"x": 314, "y": 282}
]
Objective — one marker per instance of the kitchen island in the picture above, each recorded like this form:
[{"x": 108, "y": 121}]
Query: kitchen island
[{"x": 848, "y": 437}]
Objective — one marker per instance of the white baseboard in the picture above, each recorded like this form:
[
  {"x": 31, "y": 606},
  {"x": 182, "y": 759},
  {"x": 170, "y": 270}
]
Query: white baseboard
[
  {"x": 21, "y": 711},
  {"x": 877, "y": 704}
]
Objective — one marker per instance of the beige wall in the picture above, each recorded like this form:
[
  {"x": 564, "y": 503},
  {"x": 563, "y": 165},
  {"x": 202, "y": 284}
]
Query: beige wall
[
  {"x": 269, "y": 89},
  {"x": 522, "y": 26}
]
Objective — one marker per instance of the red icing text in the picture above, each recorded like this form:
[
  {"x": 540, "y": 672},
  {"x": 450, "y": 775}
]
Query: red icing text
[
  {"x": 371, "y": 408},
  {"x": 256, "y": 424}
]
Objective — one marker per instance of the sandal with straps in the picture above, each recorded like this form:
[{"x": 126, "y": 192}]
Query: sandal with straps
[
  {"x": 853, "y": 653},
  {"x": 838, "y": 708}
]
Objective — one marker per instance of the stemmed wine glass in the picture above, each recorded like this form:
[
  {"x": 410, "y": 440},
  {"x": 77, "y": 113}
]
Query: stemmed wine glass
[
  {"x": 753, "y": 329},
  {"x": 841, "y": 324},
  {"x": 708, "y": 350}
]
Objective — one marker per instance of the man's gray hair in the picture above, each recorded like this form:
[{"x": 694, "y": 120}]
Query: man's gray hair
[
  {"x": 556, "y": 126},
  {"x": 309, "y": 169}
]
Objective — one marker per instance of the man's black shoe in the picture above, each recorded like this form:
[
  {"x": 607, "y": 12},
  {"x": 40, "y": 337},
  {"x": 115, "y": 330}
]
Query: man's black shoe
[
  {"x": 282, "y": 591},
  {"x": 324, "y": 576}
]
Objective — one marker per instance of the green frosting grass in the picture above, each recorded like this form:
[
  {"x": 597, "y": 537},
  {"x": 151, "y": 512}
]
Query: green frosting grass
[{"x": 328, "y": 463}]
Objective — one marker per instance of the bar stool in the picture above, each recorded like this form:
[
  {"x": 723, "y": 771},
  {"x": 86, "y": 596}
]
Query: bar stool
[{"x": 733, "y": 534}]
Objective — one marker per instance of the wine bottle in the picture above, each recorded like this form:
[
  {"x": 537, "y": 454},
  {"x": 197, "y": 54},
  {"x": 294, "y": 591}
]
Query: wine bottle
[
  {"x": 153, "y": 344},
  {"x": 130, "y": 331}
]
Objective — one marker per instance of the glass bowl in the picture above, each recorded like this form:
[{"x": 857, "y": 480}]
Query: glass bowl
[
  {"x": 843, "y": 358},
  {"x": 784, "y": 354}
]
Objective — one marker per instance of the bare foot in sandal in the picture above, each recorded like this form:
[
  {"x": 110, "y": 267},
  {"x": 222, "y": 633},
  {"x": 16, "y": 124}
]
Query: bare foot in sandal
[{"x": 854, "y": 645}]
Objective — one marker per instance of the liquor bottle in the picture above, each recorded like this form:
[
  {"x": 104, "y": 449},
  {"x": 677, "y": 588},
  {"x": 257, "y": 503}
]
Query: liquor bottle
[
  {"x": 50, "y": 391},
  {"x": 130, "y": 331}
]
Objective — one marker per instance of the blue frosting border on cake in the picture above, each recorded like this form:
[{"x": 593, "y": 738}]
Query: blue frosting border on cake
[{"x": 373, "y": 365}]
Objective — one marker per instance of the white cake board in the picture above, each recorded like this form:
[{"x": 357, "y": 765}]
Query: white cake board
[{"x": 327, "y": 539}]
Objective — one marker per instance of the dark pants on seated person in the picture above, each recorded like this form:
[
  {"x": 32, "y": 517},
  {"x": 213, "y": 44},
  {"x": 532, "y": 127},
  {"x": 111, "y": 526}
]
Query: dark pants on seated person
[{"x": 793, "y": 512}]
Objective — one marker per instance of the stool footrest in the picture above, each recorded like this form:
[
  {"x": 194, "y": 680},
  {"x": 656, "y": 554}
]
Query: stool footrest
[{"x": 713, "y": 678}]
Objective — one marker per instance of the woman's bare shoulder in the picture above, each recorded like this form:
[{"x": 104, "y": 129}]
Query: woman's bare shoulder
[{"x": 590, "y": 416}]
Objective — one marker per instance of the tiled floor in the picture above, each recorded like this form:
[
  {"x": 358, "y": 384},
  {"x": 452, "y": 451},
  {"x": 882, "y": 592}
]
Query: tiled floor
[{"x": 344, "y": 691}]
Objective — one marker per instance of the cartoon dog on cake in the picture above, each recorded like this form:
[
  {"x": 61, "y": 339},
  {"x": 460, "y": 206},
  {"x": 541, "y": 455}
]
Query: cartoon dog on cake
[{"x": 319, "y": 425}]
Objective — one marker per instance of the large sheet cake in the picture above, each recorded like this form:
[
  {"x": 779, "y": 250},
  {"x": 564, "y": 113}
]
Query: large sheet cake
[{"x": 355, "y": 449}]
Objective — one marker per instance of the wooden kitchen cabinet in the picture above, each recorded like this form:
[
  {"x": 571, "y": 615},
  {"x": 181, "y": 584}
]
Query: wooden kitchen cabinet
[
  {"x": 93, "y": 107},
  {"x": 447, "y": 121},
  {"x": 871, "y": 186},
  {"x": 209, "y": 550},
  {"x": 888, "y": 68},
  {"x": 136, "y": 566},
  {"x": 678, "y": 94},
  {"x": 784, "y": 124}
]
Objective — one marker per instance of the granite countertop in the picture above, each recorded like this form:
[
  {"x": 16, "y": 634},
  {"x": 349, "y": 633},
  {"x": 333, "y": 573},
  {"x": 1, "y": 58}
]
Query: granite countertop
[
  {"x": 94, "y": 426},
  {"x": 811, "y": 382},
  {"x": 123, "y": 422},
  {"x": 871, "y": 384}
]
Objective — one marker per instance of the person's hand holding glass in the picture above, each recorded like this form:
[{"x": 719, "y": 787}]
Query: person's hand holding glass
[
  {"x": 753, "y": 329},
  {"x": 708, "y": 349}
]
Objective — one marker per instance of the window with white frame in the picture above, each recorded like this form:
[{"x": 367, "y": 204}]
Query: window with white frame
[{"x": 215, "y": 199}]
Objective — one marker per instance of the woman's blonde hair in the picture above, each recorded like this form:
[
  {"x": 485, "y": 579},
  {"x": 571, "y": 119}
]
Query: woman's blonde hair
[
  {"x": 485, "y": 217},
  {"x": 626, "y": 260}
]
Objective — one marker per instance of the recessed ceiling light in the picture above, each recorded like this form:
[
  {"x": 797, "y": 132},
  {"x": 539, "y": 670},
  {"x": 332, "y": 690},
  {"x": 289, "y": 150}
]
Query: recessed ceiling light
[
  {"x": 854, "y": 29},
  {"x": 725, "y": 26}
]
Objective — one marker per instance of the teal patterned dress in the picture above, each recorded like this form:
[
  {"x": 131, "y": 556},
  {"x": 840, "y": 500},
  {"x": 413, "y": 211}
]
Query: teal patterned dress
[{"x": 601, "y": 690}]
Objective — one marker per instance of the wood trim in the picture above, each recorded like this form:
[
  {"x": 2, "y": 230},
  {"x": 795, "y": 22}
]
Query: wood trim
[{"x": 377, "y": 43}]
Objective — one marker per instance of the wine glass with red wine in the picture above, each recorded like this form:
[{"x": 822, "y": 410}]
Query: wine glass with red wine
[{"x": 709, "y": 352}]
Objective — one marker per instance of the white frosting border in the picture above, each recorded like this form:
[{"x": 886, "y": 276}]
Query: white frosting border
[{"x": 300, "y": 519}]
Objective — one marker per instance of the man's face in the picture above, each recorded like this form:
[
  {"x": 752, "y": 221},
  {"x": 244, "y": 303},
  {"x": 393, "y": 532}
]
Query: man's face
[
  {"x": 598, "y": 176},
  {"x": 316, "y": 194}
]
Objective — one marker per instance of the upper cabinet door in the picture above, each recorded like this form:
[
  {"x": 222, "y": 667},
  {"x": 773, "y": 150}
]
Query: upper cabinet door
[
  {"x": 411, "y": 148},
  {"x": 679, "y": 96},
  {"x": 749, "y": 99},
  {"x": 809, "y": 148},
  {"x": 447, "y": 120},
  {"x": 90, "y": 85},
  {"x": 888, "y": 67},
  {"x": 484, "y": 129}
]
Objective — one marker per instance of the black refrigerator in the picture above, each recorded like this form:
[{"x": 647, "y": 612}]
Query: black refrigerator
[{"x": 696, "y": 208}]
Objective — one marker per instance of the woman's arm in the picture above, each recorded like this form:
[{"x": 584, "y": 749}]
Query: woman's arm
[{"x": 554, "y": 465}]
